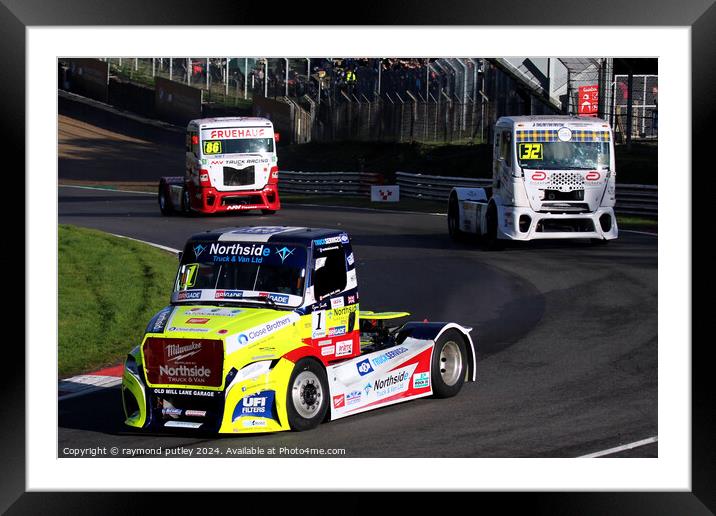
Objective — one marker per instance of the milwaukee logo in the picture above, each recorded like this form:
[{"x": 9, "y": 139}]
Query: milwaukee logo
[{"x": 177, "y": 352}]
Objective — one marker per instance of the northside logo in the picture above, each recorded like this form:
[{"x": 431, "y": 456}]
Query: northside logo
[
  {"x": 240, "y": 250},
  {"x": 284, "y": 253}
]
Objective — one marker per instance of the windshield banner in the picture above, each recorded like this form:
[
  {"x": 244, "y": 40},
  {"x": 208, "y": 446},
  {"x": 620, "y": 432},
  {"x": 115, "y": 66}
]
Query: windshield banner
[{"x": 551, "y": 135}]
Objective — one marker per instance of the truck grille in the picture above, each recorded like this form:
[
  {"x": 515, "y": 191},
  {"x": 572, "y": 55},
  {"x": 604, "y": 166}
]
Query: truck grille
[
  {"x": 239, "y": 176},
  {"x": 565, "y": 181},
  {"x": 196, "y": 362}
]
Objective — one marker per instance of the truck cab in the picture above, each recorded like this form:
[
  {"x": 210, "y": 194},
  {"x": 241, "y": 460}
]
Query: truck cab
[
  {"x": 264, "y": 333},
  {"x": 552, "y": 177},
  {"x": 230, "y": 165}
]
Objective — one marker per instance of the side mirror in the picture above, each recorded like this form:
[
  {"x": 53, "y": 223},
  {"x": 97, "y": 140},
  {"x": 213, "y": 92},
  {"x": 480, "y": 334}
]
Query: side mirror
[{"x": 179, "y": 255}]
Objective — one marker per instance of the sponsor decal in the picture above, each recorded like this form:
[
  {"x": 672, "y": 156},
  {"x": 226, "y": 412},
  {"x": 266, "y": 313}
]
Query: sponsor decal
[
  {"x": 256, "y": 405},
  {"x": 238, "y": 133},
  {"x": 228, "y": 294},
  {"x": 350, "y": 259},
  {"x": 254, "y": 422},
  {"x": 344, "y": 238},
  {"x": 191, "y": 373},
  {"x": 278, "y": 298},
  {"x": 284, "y": 253},
  {"x": 593, "y": 176},
  {"x": 328, "y": 350},
  {"x": 197, "y": 320},
  {"x": 160, "y": 320},
  {"x": 345, "y": 310},
  {"x": 336, "y": 331},
  {"x": 242, "y": 253},
  {"x": 396, "y": 381},
  {"x": 198, "y": 249},
  {"x": 171, "y": 411},
  {"x": 350, "y": 300},
  {"x": 337, "y": 302},
  {"x": 184, "y": 392},
  {"x": 328, "y": 241},
  {"x": 189, "y": 294},
  {"x": 367, "y": 388},
  {"x": 364, "y": 367},
  {"x": 178, "y": 352},
  {"x": 382, "y": 358},
  {"x": 195, "y": 413},
  {"x": 339, "y": 401},
  {"x": 325, "y": 342},
  {"x": 539, "y": 176},
  {"x": 344, "y": 347},
  {"x": 183, "y": 424},
  {"x": 259, "y": 332},
  {"x": 421, "y": 380},
  {"x": 189, "y": 330},
  {"x": 353, "y": 397},
  {"x": 223, "y": 312}
]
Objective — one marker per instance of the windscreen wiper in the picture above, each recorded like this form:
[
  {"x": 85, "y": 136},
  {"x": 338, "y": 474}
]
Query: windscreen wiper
[{"x": 267, "y": 299}]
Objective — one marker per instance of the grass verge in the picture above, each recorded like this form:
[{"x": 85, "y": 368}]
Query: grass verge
[{"x": 109, "y": 288}]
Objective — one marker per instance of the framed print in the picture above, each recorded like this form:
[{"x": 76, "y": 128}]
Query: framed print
[{"x": 588, "y": 392}]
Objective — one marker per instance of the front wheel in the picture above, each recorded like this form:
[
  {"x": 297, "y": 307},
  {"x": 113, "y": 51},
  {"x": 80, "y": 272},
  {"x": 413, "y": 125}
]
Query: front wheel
[
  {"x": 307, "y": 397},
  {"x": 448, "y": 364},
  {"x": 165, "y": 205}
]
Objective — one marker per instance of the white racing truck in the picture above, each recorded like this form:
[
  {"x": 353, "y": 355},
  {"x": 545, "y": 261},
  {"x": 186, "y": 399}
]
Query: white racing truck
[{"x": 552, "y": 177}]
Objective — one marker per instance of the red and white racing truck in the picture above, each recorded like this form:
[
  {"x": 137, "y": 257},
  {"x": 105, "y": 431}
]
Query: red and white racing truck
[{"x": 231, "y": 165}]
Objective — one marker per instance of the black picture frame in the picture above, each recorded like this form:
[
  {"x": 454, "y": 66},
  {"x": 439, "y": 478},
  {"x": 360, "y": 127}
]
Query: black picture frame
[{"x": 700, "y": 16}]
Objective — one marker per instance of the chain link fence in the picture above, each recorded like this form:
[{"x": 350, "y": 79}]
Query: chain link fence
[{"x": 644, "y": 109}]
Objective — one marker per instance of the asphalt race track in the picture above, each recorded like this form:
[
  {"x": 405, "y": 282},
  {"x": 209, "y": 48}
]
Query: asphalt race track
[{"x": 566, "y": 332}]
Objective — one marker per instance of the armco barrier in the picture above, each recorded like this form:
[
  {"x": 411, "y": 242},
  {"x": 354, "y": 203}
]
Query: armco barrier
[
  {"x": 631, "y": 199},
  {"x": 330, "y": 183}
]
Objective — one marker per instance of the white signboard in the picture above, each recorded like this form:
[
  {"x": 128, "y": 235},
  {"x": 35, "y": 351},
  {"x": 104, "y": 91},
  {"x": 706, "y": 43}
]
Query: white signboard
[{"x": 385, "y": 193}]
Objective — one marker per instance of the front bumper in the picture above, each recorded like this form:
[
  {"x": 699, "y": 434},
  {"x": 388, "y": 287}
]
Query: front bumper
[
  {"x": 250, "y": 403},
  {"x": 524, "y": 224},
  {"x": 211, "y": 200}
]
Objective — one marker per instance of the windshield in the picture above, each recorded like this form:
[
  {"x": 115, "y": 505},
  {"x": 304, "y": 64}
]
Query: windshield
[
  {"x": 241, "y": 272},
  {"x": 237, "y": 146},
  {"x": 564, "y": 155}
]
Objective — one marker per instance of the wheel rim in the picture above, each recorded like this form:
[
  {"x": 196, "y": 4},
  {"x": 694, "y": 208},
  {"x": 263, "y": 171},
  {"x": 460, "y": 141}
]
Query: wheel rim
[
  {"x": 307, "y": 394},
  {"x": 450, "y": 363}
]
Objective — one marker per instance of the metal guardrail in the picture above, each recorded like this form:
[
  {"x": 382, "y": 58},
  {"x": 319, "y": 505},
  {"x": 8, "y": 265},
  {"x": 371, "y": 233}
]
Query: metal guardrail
[
  {"x": 333, "y": 183},
  {"x": 631, "y": 199}
]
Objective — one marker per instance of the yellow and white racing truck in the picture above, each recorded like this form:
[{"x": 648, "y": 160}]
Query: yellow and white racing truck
[
  {"x": 552, "y": 177},
  {"x": 264, "y": 334}
]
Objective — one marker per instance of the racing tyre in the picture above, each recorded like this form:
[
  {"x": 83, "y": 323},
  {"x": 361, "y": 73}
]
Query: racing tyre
[
  {"x": 449, "y": 363},
  {"x": 599, "y": 241},
  {"x": 307, "y": 397},
  {"x": 454, "y": 221},
  {"x": 492, "y": 243},
  {"x": 165, "y": 205},
  {"x": 268, "y": 212}
]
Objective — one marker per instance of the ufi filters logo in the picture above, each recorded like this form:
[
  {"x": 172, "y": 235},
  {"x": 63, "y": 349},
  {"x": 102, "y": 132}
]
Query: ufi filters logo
[{"x": 256, "y": 405}]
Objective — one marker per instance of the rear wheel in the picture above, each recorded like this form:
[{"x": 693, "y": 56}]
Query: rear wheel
[
  {"x": 449, "y": 364},
  {"x": 454, "y": 220},
  {"x": 165, "y": 204},
  {"x": 307, "y": 396}
]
